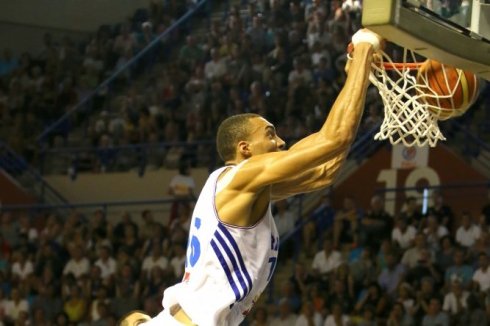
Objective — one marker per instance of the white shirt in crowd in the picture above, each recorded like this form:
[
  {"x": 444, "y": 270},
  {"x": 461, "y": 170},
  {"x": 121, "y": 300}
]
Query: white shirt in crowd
[
  {"x": 302, "y": 321},
  {"x": 214, "y": 69},
  {"x": 177, "y": 264},
  {"x": 324, "y": 264},
  {"x": 405, "y": 239},
  {"x": 182, "y": 185},
  {"x": 150, "y": 262},
  {"x": 22, "y": 271},
  {"x": 77, "y": 268},
  {"x": 468, "y": 237},
  {"x": 13, "y": 309},
  {"x": 107, "y": 268},
  {"x": 441, "y": 231},
  {"x": 288, "y": 321},
  {"x": 330, "y": 321},
  {"x": 451, "y": 303},
  {"x": 285, "y": 222},
  {"x": 482, "y": 278}
]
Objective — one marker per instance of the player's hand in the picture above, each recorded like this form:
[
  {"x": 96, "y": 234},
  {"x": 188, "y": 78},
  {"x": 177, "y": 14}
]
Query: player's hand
[{"x": 134, "y": 318}]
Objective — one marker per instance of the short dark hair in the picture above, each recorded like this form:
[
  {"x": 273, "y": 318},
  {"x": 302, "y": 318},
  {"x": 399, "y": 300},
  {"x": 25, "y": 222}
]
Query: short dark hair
[{"x": 230, "y": 132}]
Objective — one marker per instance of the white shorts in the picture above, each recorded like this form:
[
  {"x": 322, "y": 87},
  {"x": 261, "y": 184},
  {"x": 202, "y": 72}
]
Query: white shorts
[{"x": 163, "y": 319}]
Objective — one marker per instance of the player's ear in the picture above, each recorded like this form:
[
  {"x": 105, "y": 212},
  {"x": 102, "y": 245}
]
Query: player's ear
[{"x": 244, "y": 148}]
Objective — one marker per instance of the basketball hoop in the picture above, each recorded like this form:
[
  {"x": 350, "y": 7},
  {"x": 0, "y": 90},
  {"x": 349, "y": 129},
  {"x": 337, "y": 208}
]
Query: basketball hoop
[{"x": 408, "y": 118}]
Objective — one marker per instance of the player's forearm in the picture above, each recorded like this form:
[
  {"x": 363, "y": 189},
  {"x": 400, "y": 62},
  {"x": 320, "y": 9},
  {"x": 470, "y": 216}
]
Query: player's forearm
[{"x": 343, "y": 120}]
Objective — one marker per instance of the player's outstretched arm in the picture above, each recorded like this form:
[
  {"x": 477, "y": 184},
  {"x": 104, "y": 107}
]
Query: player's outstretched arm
[{"x": 337, "y": 122}]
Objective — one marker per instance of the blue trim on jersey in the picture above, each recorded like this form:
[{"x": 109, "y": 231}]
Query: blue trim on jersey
[
  {"x": 231, "y": 257},
  {"x": 237, "y": 251},
  {"x": 222, "y": 260}
]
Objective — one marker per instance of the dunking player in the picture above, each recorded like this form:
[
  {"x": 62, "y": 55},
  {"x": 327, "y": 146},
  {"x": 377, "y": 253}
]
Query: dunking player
[{"x": 233, "y": 241}]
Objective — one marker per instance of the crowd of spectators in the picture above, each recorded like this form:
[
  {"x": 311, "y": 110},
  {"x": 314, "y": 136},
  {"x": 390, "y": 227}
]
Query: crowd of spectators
[
  {"x": 367, "y": 267},
  {"x": 284, "y": 60},
  {"x": 419, "y": 269}
]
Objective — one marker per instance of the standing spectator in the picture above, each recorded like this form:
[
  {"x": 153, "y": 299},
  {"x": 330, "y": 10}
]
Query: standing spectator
[
  {"x": 376, "y": 224},
  {"x": 412, "y": 255},
  {"x": 22, "y": 268},
  {"x": 375, "y": 297},
  {"x": 441, "y": 211},
  {"x": 481, "y": 277},
  {"x": 423, "y": 297},
  {"x": 301, "y": 279},
  {"x": 434, "y": 232},
  {"x": 341, "y": 296},
  {"x": 475, "y": 315},
  {"x": 445, "y": 255},
  {"x": 326, "y": 260},
  {"x": 403, "y": 234},
  {"x": 425, "y": 268},
  {"x": 411, "y": 213},
  {"x": 468, "y": 232},
  {"x": 364, "y": 269},
  {"x": 434, "y": 316}
]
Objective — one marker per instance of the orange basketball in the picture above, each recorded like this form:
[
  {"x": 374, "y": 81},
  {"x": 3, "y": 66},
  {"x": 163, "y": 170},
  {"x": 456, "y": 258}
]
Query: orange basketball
[{"x": 449, "y": 91}]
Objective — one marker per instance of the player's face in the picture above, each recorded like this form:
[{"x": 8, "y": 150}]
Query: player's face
[{"x": 264, "y": 138}]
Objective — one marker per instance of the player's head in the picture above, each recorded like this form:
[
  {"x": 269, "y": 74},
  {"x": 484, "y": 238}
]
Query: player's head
[{"x": 244, "y": 135}]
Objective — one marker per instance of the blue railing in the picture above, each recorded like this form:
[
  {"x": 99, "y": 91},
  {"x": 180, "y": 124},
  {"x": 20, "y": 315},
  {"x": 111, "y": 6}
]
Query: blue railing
[
  {"x": 16, "y": 166},
  {"x": 82, "y": 105}
]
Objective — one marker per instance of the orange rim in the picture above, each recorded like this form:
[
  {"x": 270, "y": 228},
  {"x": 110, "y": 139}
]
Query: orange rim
[{"x": 401, "y": 65}]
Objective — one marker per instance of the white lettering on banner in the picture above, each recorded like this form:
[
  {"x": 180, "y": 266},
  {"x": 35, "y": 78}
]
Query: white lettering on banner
[
  {"x": 390, "y": 178},
  {"x": 409, "y": 157}
]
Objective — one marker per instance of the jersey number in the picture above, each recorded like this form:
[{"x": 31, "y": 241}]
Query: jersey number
[{"x": 194, "y": 246}]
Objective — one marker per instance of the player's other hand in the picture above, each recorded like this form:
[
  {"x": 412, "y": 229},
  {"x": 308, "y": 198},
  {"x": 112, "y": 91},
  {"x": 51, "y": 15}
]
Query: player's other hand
[
  {"x": 134, "y": 318},
  {"x": 364, "y": 35}
]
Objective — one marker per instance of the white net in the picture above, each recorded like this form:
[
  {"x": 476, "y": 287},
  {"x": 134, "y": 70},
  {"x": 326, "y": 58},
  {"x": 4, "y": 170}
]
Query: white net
[{"x": 408, "y": 118}]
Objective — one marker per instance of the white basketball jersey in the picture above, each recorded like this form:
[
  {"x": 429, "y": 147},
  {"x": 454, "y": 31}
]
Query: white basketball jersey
[{"x": 227, "y": 267}]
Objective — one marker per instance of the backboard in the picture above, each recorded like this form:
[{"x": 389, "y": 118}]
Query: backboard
[{"x": 454, "y": 32}]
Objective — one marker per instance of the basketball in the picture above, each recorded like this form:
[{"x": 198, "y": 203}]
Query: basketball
[{"x": 449, "y": 91}]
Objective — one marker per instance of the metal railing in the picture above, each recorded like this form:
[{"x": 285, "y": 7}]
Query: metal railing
[{"x": 28, "y": 177}]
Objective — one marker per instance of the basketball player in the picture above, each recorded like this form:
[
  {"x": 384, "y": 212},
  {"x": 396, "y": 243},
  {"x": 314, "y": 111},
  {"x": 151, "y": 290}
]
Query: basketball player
[{"x": 233, "y": 241}]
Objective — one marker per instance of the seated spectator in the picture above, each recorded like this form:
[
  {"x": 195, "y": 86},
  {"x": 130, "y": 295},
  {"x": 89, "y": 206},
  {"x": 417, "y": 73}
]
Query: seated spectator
[
  {"x": 375, "y": 297},
  {"x": 468, "y": 233},
  {"x": 178, "y": 260},
  {"x": 444, "y": 257},
  {"x": 425, "y": 268},
  {"x": 337, "y": 317},
  {"x": 260, "y": 317},
  {"x": 75, "y": 306},
  {"x": 301, "y": 279},
  {"x": 288, "y": 293},
  {"x": 308, "y": 316},
  {"x": 366, "y": 318},
  {"x": 343, "y": 274},
  {"x": 475, "y": 314},
  {"x": 434, "y": 232},
  {"x": 340, "y": 295},
  {"x": 78, "y": 265},
  {"x": 22, "y": 268},
  {"x": 106, "y": 263},
  {"x": 48, "y": 301},
  {"x": 392, "y": 275},
  {"x": 403, "y": 234},
  {"x": 412, "y": 256},
  {"x": 155, "y": 259},
  {"x": 15, "y": 305},
  {"x": 406, "y": 298},
  {"x": 363, "y": 269},
  {"x": 434, "y": 315},
  {"x": 455, "y": 301},
  {"x": 376, "y": 224},
  {"x": 283, "y": 217},
  {"x": 481, "y": 277},
  {"x": 459, "y": 269},
  {"x": 346, "y": 223},
  {"x": 399, "y": 316},
  {"x": 423, "y": 297},
  {"x": 285, "y": 316},
  {"x": 326, "y": 261}
]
